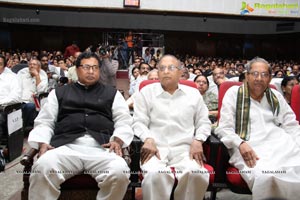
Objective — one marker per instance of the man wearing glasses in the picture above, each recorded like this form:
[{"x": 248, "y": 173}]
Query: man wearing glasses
[
  {"x": 33, "y": 81},
  {"x": 172, "y": 121},
  {"x": 263, "y": 137},
  {"x": 82, "y": 127}
]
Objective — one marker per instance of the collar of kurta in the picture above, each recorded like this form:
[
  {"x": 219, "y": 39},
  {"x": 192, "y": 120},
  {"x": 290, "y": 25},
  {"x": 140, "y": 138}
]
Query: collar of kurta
[{"x": 242, "y": 122}]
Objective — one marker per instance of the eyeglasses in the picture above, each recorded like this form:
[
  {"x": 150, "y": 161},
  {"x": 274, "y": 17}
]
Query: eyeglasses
[
  {"x": 292, "y": 84},
  {"x": 86, "y": 67},
  {"x": 219, "y": 73},
  {"x": 170, "y": 68},
  {"x": 145, "y": 68},
  {"x": 203, "y": 82},
  {"x": 262, "y": 74},
  {"x": 43, "y": 60}
]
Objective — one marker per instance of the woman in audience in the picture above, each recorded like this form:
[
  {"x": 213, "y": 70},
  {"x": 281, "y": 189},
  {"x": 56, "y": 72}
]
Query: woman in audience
[
  {"x": 135, "y": 73},
  {"x": 210, "y": 98},
  {"x": 287, "y": 85}
]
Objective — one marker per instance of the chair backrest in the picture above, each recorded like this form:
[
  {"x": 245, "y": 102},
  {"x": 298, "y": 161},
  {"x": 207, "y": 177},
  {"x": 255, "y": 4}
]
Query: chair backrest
[
  {"x": 184, "y": 82},
  {"x": 295, "y": 101},
  {"x": 223, "y": 89},
  {"x": 18, "y": 67}
]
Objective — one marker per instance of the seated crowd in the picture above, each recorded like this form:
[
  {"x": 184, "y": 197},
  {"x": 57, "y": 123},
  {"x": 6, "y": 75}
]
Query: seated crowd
[{"x": 85, "y": 115}]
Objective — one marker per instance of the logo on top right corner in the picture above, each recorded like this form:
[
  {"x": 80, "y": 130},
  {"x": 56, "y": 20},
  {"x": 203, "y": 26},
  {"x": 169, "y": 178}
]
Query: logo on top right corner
[{"x": 246, "y": 8}]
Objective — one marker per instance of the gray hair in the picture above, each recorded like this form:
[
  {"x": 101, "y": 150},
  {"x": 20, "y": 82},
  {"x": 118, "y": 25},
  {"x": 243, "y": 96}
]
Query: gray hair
[
  {"x": 153, "y": 71},
  {"x": 178, "y": 62},
  {"x": 255, "y": 60}
]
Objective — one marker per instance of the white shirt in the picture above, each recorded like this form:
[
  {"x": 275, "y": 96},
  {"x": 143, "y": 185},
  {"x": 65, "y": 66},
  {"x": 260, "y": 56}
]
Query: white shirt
[
  {"x": 275, "y": 140},
  {"x": 226, "y": 129},
  {"x": 10, "y": 90},
  {"x": 172, "y": 120},
  {"x": 45, "y": 122},
  {"x": 28, "y": 84}
]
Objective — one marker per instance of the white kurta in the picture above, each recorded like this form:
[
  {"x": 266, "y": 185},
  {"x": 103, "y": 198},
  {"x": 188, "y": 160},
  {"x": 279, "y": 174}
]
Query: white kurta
[
  {"x": 28, "y": 84},
  {"x": 83, "y": 155},
  {"x": 276, "y": 141},
  {"x": 10, "y": 90},
  {"x": 173, "y": 121}
]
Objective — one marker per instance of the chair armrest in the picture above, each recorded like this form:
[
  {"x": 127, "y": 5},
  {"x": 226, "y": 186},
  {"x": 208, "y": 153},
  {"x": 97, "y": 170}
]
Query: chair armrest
[
  {"x": 27, "y": 159},
  {"x": 126, "y": 155},
  {"x": 10, "y": 108},
  {"x": 135, "y": 152},
  {"x": 217, "y": 157}
]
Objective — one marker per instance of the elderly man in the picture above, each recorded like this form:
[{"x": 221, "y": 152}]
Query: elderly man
[
  {"x": 34, "y": 81},
  {"x": 263, "y": 137},
  {"x": 172, "y": 121},
  {"x": 72, "y": 131}
]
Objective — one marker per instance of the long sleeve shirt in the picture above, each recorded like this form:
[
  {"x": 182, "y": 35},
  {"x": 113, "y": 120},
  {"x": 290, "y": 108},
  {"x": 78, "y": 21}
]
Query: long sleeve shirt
[
  {"x": 28, "y": 84},
  {"x": 10, "y": 90},
  {"x": 45, "y": 122},
  {"x": 171, "y": 120}
]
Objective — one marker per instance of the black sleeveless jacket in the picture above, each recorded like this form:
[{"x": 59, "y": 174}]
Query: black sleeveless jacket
[{"x": 84, "y": 110}]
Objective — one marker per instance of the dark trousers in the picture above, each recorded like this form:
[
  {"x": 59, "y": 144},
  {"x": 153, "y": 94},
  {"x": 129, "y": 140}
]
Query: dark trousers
[
  {"x": 3, "y": 132},
  {"x": 29, "y": 113}
]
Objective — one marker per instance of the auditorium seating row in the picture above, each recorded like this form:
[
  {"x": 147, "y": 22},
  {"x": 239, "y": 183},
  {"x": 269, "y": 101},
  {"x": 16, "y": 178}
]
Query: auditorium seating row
[{"x": 222, "y": 174}]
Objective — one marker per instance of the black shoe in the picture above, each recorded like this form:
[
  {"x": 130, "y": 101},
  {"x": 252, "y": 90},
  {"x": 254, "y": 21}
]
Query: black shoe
[{"x": 2, "y": 161}]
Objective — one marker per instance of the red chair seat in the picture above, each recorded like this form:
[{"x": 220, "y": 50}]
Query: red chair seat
[
  {"x": 295, "y": 101},
  {"x": 211, "y": 171},
  {"x": 234, "y": 177},
  {"x": 82, "y": 181}
]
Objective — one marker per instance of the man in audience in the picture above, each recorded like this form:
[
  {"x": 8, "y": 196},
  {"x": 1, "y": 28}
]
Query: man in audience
[
  {"x": 262, "y": 135},
  {"x": 10, "y": 93},
  {"x": 72, "y": 131},
  {"x": 109, "y": 69},
  {"x": 172, "y": 121},
  {"x": 70, "y": 50},
  {"x": 51, "y": 72},
  {"x": 33, "y": 81},
  {"x": 72, "y": 74}
]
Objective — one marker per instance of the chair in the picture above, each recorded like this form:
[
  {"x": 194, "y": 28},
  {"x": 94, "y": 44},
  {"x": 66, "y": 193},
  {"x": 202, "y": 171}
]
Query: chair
[
  {"x": 229, "y": 173},
  {"x": 295, "y": 101},
  {"x": 79, "y": 187},
  {"x": 18, "y": 67},
  {"x": 210, "y": 148},
  {"x": 11, "y": 131}
]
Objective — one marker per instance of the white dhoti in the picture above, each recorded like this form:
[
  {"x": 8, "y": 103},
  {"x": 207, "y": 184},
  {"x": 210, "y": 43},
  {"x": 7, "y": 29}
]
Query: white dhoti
[
  {"x": 60, "y": 164},
  {"x": 277, "y": 172},
  {"x": 178, "y": 173}
]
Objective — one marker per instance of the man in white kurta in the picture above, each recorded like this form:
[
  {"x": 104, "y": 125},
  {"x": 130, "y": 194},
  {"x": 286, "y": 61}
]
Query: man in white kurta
[
  {"x": 171, "y": 119},
  {"x": 270, "y": 165},
  {"x": 82, "y": 143},
  {"x": 10, "y": 90},
  {"x": 33, "y": 81}
]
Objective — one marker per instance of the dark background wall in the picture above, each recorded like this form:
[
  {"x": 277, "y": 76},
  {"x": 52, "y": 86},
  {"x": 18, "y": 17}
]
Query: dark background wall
[{"x": 53, "y": 28}]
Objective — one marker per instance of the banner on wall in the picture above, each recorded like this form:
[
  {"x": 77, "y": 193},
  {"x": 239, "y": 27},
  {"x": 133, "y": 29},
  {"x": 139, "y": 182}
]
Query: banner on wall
[{"x": 268, "y": 8}]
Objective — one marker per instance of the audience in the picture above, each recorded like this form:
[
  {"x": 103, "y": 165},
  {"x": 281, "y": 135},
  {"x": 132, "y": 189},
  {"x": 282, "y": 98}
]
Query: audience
[
  {"x": 287, "y": 85},
  {"x": 210, "y": 98}
]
